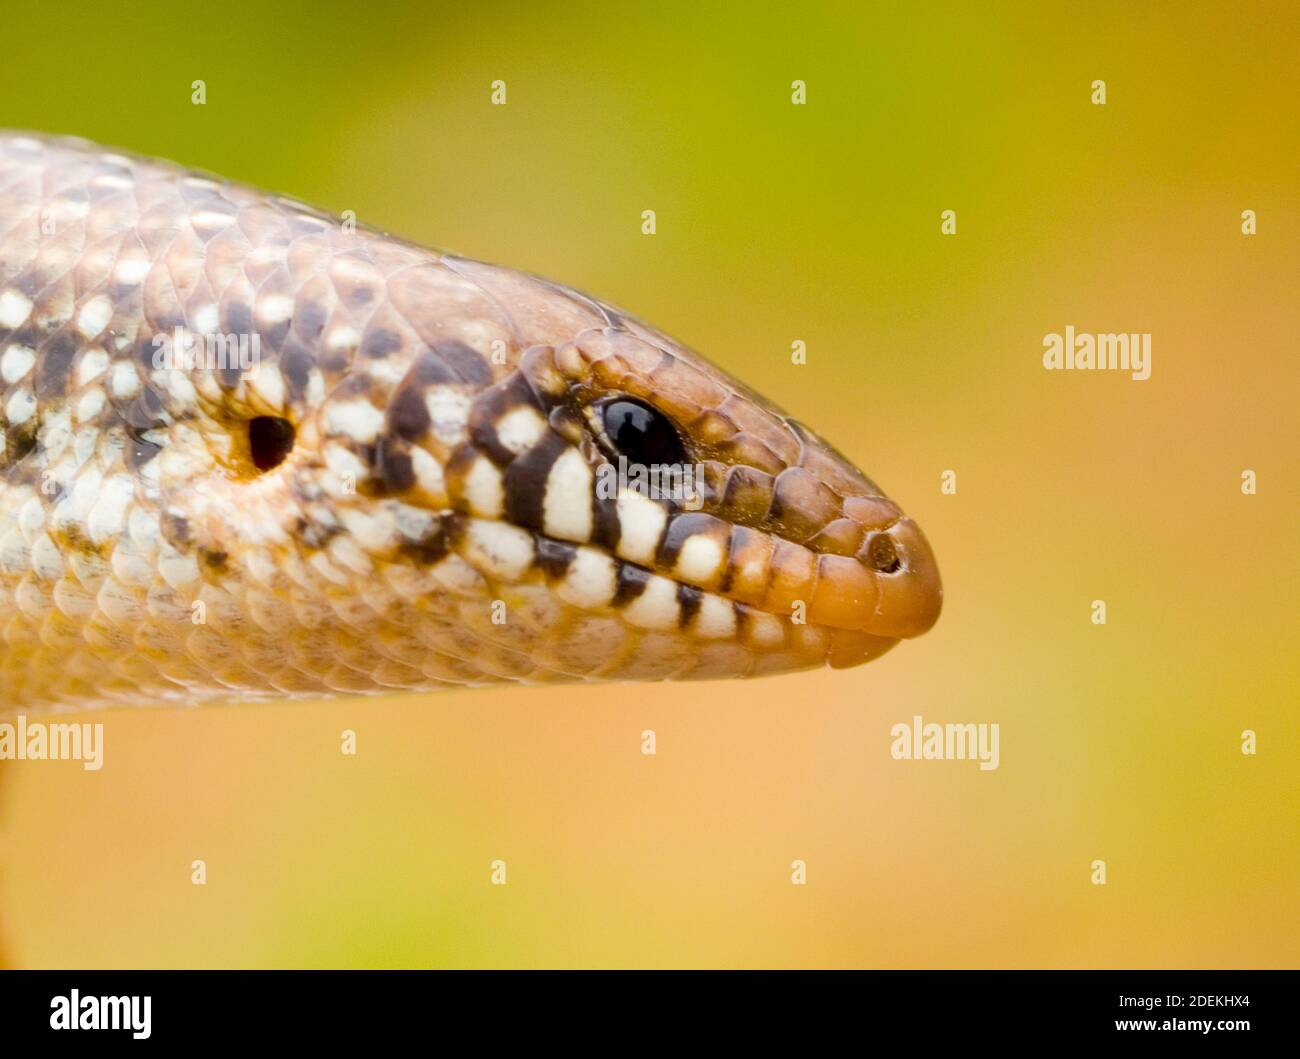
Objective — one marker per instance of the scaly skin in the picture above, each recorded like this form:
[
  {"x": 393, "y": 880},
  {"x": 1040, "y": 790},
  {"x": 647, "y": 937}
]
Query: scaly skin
[{"x": 436, "y": 522}]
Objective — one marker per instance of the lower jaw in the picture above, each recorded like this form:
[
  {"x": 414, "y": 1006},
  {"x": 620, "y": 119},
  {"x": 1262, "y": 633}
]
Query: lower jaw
[
  {"x": 852, "y": 648},
  {"x": 754, "y": 629}
]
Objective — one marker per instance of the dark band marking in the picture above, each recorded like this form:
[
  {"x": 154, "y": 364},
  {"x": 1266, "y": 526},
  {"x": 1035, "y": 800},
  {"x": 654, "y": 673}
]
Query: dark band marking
[
  {"x": 408, "y": 414},
  {"x": 525, "y": 480},
  {"x": 272, "y": 337},
  {"x": 631, "y": 583},
  {"x": 490, "y": 407},
  {"x": 678, "y": 529},
  {"x": 295, "y": 366},
  {"x": 688, "y": 599},
  {"x": 380, "y": 342},
  {"x": 138, "y": 452},
  {"x": 176, "y": 531},
  {"x": 28, "y": 335},
  {"x": 53, "y": 366},
  {"x": 334, "y": 361},
  {"x": 314, "y": 534},
  {"x": 144, "y": 411},
  {"x": 33, "y": 281},
  {"x": 555, "y": 557},
  {"x": 239, "y": 318},
  {"x": 355, "y": 385},
  {"x": 434, "y": 546},
  {"x": 740, "y": 542},
  {"x": 605, "y": 527},
  {"x": 213, "y": 558},
  {"x": 392, "y": 465},
  {"x": 309, "y": 320},
  {"x": 464, "y": 362},
  {"x": 19, "y": 441},
  {"x": 430, "y": 370},
  {"x": 125, "y": 297}
]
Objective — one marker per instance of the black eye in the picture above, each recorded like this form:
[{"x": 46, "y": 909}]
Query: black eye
[
  {"x": 641, "y": 434},
  {"x": 270, "y": 440}
]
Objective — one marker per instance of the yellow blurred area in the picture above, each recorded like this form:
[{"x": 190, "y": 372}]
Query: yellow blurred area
[{"x": 776, "y": 223}]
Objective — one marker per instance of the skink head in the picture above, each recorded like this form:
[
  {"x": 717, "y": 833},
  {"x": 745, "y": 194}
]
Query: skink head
[
  {"x": 582, "y": 495},
  {"x": 763, "y": 514},
  {"x": 288, "y": 455}
]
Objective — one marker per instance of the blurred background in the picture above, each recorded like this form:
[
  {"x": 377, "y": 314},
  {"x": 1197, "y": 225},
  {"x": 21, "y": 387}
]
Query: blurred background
[{"x": 775, "y": 222}]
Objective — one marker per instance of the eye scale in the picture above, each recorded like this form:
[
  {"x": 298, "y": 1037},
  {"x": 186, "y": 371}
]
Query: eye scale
[{"x": 405, "y": 489}]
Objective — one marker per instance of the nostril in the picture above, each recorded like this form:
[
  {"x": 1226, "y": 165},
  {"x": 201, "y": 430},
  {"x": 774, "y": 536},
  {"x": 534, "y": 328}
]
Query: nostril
[
  {"x": 270, "y": 440},
  {"x": 883, "y": 554}
]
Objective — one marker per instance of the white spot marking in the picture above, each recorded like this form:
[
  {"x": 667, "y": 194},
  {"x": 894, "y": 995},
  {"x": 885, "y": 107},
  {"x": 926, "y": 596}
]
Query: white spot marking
[
  {"x": 716, "y": 618},
  {"x": 15, "y": 307},
  {"x": 343, "y": 338},
  {"x": 373, "y": 533},
  {"x": 641, "y": 524},
  {"x": 93, "y": 364},
  {"x": 455, "y": 574},
  {"x": 656, "y": 607},
  {"x": 275, "y": 309},
  {"x": 589, "y": 581},
  {"x": 116, "y": 181},
  {"x": 484, "y": 490},
  {"x": 108, "y": 514},
  {"x": 428, "y": 472},
  {"x": 315, "y": 387},
  {"x": 206, "y": 319},
  {"x": 499, "y": 549},
  {"x": 20, "y": 407},
  {"x": 345, "y": 463},
  {"x": 566, "y": 498},
  {"x": 449, "y": 413},
  {"x": 124, "y": 381},
  {"x": 94, "y": 316},
  {"x": 16, "y": 362},
  {"x": 699, "y": 559},
  {"x": 179, "y": 386},
  {"x": 387, "y": 370},
  {"x": 413, "y": 523},
  {"x": 131, "y": 271},
  {"x": 90, "y": 404},
  {"x": 269, "y": 384},
  {"x": 765, "y": 630},
  {"x": 356, "y": 418},
  {"x": 520, "y": 428},
  {"x": 211, "y": 219}
]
